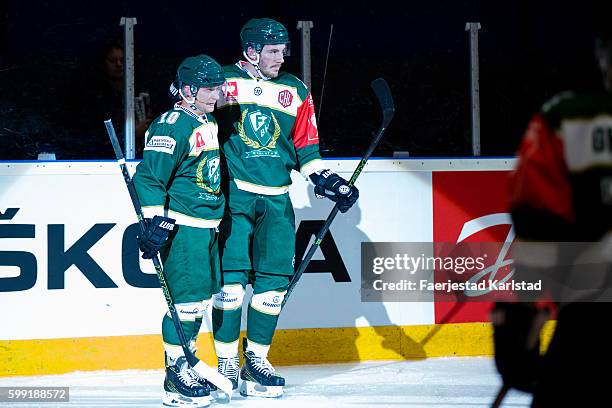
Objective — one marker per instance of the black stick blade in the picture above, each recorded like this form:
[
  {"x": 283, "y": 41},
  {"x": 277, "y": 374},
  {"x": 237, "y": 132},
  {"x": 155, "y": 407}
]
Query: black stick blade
[{"x": 383, "y": 93}]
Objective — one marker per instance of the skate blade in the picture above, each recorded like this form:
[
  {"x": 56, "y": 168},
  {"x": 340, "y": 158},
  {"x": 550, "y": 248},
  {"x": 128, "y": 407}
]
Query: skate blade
[
  {"x": 221, "y": 396},
  {"x": 253, "y": 389},
  {"x": 171, "y": 399}
]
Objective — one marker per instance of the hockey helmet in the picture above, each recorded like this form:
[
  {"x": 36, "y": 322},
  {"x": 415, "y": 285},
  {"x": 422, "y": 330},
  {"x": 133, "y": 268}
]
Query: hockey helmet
[
  {"x": 198, "y": 72},
  {"x": 258, "y": 32}
]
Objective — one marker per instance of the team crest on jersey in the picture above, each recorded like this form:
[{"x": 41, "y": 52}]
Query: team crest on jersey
[
  {"x": 260, "y": 132},
  {"x": 260, "y": 122},
  {"x": 257, "y": 91},
  {"x": 285, "y": 98},
  {"x": 208, "y": 177}
]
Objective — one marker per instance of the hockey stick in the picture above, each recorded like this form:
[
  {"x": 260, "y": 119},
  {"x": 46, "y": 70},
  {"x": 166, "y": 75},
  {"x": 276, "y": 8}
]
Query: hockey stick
[
  {"x": 501, "y": 394},
  {"x": 201, "y": 368},
  {"x": 331, "y": 32},
  {"x": 385, "y": 99}
]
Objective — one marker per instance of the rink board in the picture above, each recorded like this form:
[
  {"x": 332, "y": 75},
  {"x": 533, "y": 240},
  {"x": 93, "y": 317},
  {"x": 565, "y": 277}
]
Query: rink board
[{"x": 77, "y": 296}]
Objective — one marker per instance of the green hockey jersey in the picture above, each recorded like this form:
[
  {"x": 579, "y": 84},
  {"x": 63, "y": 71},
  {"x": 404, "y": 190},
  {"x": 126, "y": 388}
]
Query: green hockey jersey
[
  {"x": 267, "y": 128},
  {"x": 179, "y": 175}
]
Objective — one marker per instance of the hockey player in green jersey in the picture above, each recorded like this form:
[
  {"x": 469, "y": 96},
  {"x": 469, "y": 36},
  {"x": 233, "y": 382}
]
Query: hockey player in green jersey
[
  {"x": 267, "y": 128},
  {"x": 561, "y": 193},
  {"x": 178, "y": 184}
]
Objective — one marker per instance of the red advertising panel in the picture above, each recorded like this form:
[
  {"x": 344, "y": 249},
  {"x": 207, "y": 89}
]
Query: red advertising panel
[{"x": 470, "y": 206}]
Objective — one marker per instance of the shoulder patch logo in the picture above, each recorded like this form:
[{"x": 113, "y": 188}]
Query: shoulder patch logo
[
  {"x": 230, "y": 89},
  {"x": 313, "y": 135},
  {"x": 200, "y": 143},
  {"x": 203, "y": 138},
  {"x": 163, "y": 144},
  {"x": 285, "y": 98}
]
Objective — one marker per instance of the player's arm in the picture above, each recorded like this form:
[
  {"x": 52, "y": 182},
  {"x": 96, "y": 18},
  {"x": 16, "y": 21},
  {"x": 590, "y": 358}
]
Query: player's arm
[
  {"x": 162, "y": 154},
  {"x": 306, "y": 141},
  {"x": 540, "y": 193}
]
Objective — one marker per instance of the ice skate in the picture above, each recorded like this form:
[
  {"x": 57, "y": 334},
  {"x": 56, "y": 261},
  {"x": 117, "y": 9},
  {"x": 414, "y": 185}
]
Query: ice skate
[
  {"x": 259, "y": 378},
  {"x": 182, "y": 389}
]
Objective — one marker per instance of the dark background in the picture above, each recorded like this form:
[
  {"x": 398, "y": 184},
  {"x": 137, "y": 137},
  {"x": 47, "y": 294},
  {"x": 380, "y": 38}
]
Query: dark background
[{"x": 529, "y": 51}]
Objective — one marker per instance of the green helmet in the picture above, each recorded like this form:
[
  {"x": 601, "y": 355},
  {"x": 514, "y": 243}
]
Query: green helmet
[
  {"x": 198, "y": 72},
  {"x": 258, "y": 32}
]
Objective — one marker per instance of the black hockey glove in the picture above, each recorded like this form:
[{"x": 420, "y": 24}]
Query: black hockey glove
[
  {"x": 155, "y": 236},
  {"x": 329, "y": 184}
]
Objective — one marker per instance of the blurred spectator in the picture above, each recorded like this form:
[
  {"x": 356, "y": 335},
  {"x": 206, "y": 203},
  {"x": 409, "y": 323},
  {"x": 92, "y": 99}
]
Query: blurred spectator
[{"x": 98, "y": 96}]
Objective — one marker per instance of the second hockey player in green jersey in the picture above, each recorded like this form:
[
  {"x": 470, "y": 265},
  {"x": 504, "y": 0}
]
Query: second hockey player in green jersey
[
  {"x": 183, "y": 180},
  {"x": 267, "y": 128},
  {"x": 178, "y": 184}
]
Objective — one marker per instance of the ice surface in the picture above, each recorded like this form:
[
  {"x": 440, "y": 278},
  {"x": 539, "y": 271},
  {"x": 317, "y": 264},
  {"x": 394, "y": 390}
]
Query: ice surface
[{"x": 432, "y": 383}]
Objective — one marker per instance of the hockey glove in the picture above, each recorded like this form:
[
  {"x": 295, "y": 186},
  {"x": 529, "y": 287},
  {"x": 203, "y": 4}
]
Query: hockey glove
[
  {"x": 329, "y": 184},
  {"x": 155, "y": 236}
]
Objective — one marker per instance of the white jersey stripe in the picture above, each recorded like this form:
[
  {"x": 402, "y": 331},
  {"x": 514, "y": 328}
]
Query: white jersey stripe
[
  {"x": 262, "y": 93},
  {"x": 597, "y": 152}
]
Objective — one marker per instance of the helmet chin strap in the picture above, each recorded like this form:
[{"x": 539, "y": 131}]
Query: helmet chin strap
[
  {"x": 191, "y": 102},
  {"x": 255, "y": 64}
]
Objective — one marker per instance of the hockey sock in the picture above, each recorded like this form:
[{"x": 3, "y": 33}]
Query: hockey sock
[
  {"x": 264, "y": 310},
  {"x": 227, "y": 312}
]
